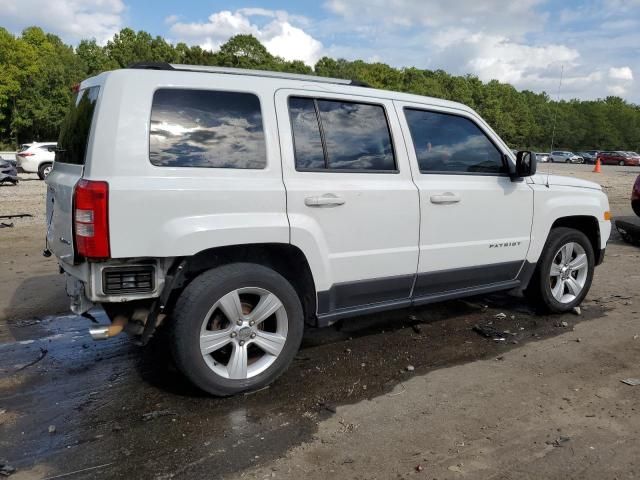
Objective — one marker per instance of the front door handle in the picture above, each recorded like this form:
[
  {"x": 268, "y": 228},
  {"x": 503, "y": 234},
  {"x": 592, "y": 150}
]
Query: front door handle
[
  {"x": 445, "y": 198},
  {"x": 324, "y": 201}
]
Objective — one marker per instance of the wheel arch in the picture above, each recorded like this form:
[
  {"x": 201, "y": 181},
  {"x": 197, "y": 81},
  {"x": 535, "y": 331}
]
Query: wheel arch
[
  {"x": 286, "y": 259},
  {"x": 586, "y": 224}
]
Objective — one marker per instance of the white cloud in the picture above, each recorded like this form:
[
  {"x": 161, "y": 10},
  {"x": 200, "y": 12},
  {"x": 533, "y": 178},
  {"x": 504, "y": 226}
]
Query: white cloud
[
  {"x": 171, "y": 19},
  {"x": 622, "y": 73},
  {"x": 72, "y": 20},
  {"x": 506, "y": 16},
  {"x": 618, "y": 90},
  {"x": 517, "y": 42},
  {"x": 278, "y": 34}
]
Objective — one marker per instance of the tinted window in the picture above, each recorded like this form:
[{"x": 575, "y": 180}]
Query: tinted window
[
  {"x": 306, "y": 133},
  {"x": 74, "y": 134},
  {"x": 450, "y": 143},
  {"x": 348, "y": 135},
  {"x": 356, "y": 136},
  {"x": 205, "y": 128}
]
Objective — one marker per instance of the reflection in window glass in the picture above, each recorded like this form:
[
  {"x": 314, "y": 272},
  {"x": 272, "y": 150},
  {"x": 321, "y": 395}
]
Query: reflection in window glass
[
  {"x": 356, "y": 136},
  {"x": 450, "y": 143},
  {"x": 306, "y": 133},
  {"x": 205, "y": 128},
  {"x": 74, "y": 133}
]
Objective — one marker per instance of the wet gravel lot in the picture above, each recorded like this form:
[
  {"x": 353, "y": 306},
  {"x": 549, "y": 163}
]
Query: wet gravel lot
[{"x": 126, "y": 410}]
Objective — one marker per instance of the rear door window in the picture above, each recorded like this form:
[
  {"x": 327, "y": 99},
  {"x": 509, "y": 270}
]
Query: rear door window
[
  {"x": 74, "y": 134},
  {"x": 206, "y": 128},
  {"x": 338, "y": 135}
]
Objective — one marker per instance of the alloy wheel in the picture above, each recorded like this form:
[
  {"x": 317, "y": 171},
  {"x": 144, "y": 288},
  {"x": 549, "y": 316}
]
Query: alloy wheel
[
  {"x": 243, "y": 333},
  {"x": 568, "y": 273}
]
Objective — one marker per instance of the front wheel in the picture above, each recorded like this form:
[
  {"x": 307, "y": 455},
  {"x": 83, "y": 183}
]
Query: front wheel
[
  {"x": 564, "y": 272},
  {"x": 236, "y": 328},
  {"x": 621, "y": 163}
]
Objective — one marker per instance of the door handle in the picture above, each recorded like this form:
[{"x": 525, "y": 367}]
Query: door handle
[
  {"x": 324, "y": 201},
  {"x": 445, "y": 198}
]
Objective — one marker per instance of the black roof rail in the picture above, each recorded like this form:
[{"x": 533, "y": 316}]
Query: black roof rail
[
  {"x": 241, "y": 71},
  {"x": 151, "y": 66},
  {"x": 358, "y": 83}
]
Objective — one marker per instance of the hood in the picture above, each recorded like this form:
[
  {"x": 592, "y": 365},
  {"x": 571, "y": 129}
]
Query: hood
[{"x": 562, "y": 181}]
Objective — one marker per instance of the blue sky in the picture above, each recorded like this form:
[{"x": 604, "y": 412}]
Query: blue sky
[{"x": 523, "y": 42}]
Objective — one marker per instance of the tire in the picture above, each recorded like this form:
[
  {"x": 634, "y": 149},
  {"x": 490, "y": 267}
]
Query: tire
[
  {"x": 44, "y": 169},
  {"x": 635, "y": 205},
  {"x": 198, "y": 310},
  {"x": 621, "y": 163},
  {"x": 551, "y": 159},
  {"x": 568, "y": 160},
  {"x": 541, "y": 290}
]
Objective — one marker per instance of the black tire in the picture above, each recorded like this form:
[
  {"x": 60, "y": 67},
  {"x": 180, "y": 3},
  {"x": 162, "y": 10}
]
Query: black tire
[
  {"x": 635, "y": 205},
  {"x": 539, "y": 289},
  {"x": 567, "y": 160},
  {"x": 199, "y": 297},
  {"x": 43, "y": 170}
]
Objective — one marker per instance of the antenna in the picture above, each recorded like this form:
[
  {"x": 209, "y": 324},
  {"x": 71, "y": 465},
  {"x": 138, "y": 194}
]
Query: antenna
[{"x": 555, "y": 117}]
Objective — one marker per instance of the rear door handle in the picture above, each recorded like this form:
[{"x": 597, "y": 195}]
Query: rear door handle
[
  {"x": 445, "y": 198},
  {"x": 324, "y": 201}
]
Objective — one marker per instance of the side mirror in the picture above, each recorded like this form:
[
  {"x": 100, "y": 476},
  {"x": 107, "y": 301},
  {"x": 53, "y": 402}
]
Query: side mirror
[{"x": 526, "y": 164}]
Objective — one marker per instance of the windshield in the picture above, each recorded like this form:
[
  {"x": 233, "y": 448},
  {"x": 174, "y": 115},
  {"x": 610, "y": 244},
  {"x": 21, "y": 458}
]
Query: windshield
[{"x": 74, "y": 135}]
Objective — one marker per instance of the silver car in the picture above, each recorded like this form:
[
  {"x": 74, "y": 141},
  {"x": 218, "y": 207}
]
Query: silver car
[{"x": 565, "y": 157}]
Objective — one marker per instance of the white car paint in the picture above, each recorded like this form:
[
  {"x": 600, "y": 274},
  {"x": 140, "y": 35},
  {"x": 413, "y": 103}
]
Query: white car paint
[{"x": 386, "y": 227}]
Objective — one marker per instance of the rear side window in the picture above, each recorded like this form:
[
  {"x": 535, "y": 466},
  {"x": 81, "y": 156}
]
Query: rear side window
[
  {"x": 74, "y": 134},
  {"x": 206, "y": 128},
  {"x": 340, "y": 135},
  {"x": 450, "y": 143}
]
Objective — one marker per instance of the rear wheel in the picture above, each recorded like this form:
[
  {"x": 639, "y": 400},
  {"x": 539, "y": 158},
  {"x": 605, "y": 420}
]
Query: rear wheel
[
  {"x": 621, "y": 163},
  {"x": 236, "y": 328},
  {"x": 44, "y": 170},
  {"x": 564, "y": 272},
  {"x": 635, "y": 205}
]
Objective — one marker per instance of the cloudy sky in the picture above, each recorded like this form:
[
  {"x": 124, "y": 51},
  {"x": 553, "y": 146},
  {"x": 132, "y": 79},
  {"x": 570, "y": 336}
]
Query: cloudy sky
[{"x": 523, "y": 42}]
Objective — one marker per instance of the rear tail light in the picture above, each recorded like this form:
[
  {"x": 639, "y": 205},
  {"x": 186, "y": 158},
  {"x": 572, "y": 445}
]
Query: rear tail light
[
  {"x": 91, "y": 219},
  {"x": 25, "y": 154}
]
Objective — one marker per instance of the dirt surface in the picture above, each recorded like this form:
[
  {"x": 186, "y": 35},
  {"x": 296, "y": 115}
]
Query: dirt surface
[{"x": 545, "y": 402}]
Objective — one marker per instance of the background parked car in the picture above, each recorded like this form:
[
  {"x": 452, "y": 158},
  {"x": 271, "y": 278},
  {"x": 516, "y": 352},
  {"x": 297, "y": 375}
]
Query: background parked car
[
  {"x": 542, "y": 157},
  {"x": 36, "y": 157},
  {"x": 619, "y": 158},
  {"x": 589, "y": 156},
  {"x": 565, "y": 156}
]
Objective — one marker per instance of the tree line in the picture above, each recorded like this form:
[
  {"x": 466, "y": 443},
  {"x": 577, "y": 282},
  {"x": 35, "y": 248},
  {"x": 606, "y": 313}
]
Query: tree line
[{"x": 38, "y": 70}]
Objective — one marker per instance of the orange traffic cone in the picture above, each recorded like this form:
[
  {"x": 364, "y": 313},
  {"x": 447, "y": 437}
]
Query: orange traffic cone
[{"x": 596, "y": 169}]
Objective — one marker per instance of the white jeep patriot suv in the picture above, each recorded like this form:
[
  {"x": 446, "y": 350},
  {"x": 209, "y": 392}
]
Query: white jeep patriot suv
[{"x": 236, "y": 206}]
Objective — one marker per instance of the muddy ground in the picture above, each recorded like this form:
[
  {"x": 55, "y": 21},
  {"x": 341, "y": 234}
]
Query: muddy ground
[{"x": 545, "y": 402}]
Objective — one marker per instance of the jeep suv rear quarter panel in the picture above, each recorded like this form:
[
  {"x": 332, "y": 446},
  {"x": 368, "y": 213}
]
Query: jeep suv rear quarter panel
[{"x": 166, "y": 211}]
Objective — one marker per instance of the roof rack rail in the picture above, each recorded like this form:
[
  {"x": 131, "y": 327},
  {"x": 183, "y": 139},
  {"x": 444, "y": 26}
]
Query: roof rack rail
[
  {"x": 151, "y": 66},
  {"x": 259, "y": 73},
  {"x": 243, "y": 71}
]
